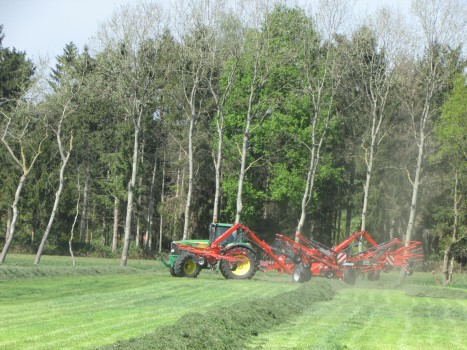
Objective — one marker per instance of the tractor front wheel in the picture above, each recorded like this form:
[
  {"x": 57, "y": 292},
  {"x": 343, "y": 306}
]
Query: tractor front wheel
[
  {"x": 172, "y": 272},
  {"x": 186, "y": 266},
  {"x": 243, "y": 269}
]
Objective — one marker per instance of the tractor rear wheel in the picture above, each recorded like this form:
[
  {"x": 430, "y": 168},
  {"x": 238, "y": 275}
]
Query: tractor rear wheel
[
  {"x": 186, "y": 266},
  {"x": 301, "y": 273},
  {"x": 244, "y": 269}
]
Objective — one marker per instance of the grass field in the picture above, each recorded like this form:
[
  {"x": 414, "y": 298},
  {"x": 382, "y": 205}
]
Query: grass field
[{"x": 97, "y": 303}]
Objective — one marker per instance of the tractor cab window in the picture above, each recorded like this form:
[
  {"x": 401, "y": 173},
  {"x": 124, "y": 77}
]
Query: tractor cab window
[{"x": 215, "y": 231}]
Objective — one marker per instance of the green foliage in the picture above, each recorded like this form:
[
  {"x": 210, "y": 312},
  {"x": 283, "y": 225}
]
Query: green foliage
[
  {"x": 459, "y": 251},
  {"x": 15, "y": 74},
  {"x": 452, "y": 124}
]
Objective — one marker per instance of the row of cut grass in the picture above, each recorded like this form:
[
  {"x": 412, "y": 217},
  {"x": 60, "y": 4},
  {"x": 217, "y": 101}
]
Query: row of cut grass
[{"x": 229, "y": 327}]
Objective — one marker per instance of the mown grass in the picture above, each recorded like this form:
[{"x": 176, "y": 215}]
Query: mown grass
[
  {"x": 97, "y": 303},
  {"x": 380, "y": 315},
  {"x": 230, "y": 327},
  {"x": 81, "y": 311}
]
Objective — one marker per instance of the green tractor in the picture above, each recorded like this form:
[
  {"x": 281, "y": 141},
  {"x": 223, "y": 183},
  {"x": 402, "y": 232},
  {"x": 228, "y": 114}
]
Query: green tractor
[{"x": 182, "y": 263}]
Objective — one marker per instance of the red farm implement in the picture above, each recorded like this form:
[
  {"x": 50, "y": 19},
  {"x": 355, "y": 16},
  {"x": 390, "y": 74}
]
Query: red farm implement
[
  {"x": 322, "y": 260},
  {"x": 340, "y": 260},
  {"x": 301, "y": 258},
  {"x": 386, "y": 256}
]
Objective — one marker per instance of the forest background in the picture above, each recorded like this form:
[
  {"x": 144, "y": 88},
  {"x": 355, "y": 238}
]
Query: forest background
[{"x": 264, "y": 113}]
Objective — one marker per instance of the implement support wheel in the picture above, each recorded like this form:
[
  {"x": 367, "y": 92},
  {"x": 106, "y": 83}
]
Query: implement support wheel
[
  {"x": 350, "y": 276},
  {"x": 186, "y": 266},
  {"x": 301, "y": 273},
  {"x": 373, "y": 276},
  {"x": 244, "y": 269}
]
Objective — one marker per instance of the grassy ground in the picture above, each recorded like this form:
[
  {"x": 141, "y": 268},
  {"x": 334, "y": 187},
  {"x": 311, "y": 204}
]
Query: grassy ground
[{"x": 57, "y": 306}]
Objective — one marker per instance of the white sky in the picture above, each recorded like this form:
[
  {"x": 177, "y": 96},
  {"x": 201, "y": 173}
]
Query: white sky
[{"x": 44, "y": 27}]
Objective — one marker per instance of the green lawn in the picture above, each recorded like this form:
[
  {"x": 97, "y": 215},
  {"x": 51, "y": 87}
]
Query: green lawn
[{"x": 57, "y": 306}]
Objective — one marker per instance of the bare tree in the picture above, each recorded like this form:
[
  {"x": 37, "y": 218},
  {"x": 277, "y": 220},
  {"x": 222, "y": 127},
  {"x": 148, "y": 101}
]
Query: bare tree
[
  {"x": 254, "y": 60},
  {"x": 376, "y": 62},
  {"x": 64, "y": 158},
  {"x": 223, "y": 51},
  {"x": 70, "y": 241},
  {"x": 129, "y": 42},
  {"x": 24, "y": 149},
  {"x": 440, "y": 23},
  {"x": 320, "y": 79},
  {"x": 196, "y": 38}
]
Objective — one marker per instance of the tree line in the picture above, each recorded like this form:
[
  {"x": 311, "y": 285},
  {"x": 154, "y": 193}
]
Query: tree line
[{"x": 260, "y": 113}]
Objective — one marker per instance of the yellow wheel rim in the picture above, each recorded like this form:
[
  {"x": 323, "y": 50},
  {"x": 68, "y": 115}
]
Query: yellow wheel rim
[
  {"x": 242, "y": 266},
  {"x": 189, "y": 266}
]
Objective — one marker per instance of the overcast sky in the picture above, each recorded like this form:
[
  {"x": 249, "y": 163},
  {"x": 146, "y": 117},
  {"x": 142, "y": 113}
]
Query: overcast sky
[{"x": 44, "y": 27}]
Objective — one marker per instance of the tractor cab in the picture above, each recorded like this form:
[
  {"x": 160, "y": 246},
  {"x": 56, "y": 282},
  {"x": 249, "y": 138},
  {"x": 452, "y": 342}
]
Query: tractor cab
[{"x": 217, "y": 229}]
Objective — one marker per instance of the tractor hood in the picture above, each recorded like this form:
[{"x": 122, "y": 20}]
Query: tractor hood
[{"x": 202, "y": 243}]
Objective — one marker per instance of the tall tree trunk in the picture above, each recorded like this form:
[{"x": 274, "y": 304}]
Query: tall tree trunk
[
  {"x": 241, "y": 177},
  {"x": 246, "y": 137},
  {"x": 14, "y": 208},
  {"x": 348, "y": 214},
  {"x": 307, "y": 193},
  {"x": 314, "y": 161},
  {"x": 161, "y": 219},
  {"x": 218, "y": 167},
  {"x": 366, "y": 187},
  {"x": 448, "y": 261},
  {"x": 150, "y": 219},
  {"x": 178, "y": 189},
  {"x": 186, "y": 230},
  {"x": 8, "y": 225},
  {"x": 115, "y": 226},
  {"x": 415, "y": 186},
  {"x": 84, "y": 211},
  {"x": 220, "y": 121},
  {"x": 70, "y": 241},
  {"x": 131, "y": 191},
  {"x": 138, "y": 222}
]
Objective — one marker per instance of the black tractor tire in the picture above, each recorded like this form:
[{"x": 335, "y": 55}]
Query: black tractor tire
[
  {"x": 301, "y": 273},
  {"x": 242, "y": 270},
  {"x": 186, "y": 266},
  {"x": 350, "y": 276},
  {"x": 172, "y": 272}
]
